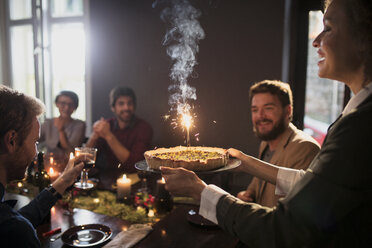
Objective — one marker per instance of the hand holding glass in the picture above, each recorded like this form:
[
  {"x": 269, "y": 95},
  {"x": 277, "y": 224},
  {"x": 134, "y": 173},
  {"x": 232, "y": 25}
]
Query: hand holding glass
[{"x": 88, "y": 156}]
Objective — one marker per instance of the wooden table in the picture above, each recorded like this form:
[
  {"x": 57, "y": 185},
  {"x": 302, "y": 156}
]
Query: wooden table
[{"x": 173, "y": 230}]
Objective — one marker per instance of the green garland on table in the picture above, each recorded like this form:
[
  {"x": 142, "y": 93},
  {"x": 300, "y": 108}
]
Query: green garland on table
[
  {"x": 98, "y": 201},
  {"x": 104, "y": 202}
]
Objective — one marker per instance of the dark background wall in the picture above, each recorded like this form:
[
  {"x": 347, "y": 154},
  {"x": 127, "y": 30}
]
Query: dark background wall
[{"x": 243, "y": 44}]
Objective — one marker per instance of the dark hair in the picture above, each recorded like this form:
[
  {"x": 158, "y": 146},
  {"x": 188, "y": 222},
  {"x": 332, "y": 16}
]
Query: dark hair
[
  {"x": 274, "y": 87},
  {"x": 359, "y": 14},
  {"x": 17, "y": 112},
  {"x": 121, "y": 91},
  {"x": 74, "y": 97}
]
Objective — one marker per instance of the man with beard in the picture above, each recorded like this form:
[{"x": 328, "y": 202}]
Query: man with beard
[
  {"x": 19, "y": 133},
  {"x": 122, "y": 140},
  {"x": 282, "y": 143}
]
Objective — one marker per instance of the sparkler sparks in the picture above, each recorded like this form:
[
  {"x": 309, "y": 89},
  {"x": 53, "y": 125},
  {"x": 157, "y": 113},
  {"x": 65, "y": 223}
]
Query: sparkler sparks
[{"x": 187, "y": 121}]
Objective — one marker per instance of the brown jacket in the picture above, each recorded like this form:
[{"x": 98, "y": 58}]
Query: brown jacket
[{"x": 296, "y": 150}]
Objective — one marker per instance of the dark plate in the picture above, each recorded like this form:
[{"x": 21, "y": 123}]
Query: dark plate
[
  {"x": 86, "y": 235},
  {"x": 196, "y": 219},
  {"x": 231, "y": 164}
]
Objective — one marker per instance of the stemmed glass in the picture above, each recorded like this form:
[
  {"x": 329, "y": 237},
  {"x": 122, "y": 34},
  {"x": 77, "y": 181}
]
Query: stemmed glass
[{"x": 88, "y": 156}]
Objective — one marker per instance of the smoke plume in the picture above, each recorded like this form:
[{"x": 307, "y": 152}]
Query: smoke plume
[{"x": 182, "y": 39}]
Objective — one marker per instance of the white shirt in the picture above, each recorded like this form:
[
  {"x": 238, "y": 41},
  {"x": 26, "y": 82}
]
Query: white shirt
[{"x": 286, "y": 177}]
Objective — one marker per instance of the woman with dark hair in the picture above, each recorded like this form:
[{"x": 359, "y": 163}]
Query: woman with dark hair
[
  {"x": 330, "y": 205},
  {"x": 60, "y": 135}
]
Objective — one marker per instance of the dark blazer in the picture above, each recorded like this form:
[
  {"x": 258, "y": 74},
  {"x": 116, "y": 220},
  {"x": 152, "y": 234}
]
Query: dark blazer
[{"x": 331, "y": 206}]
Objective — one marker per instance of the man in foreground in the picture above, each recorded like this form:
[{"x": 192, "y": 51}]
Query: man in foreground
[{"x": 19, "y": 133}]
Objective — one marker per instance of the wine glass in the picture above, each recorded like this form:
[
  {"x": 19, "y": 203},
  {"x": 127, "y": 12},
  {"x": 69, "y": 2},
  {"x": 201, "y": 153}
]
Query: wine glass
[{"x": 88, "y": 156}]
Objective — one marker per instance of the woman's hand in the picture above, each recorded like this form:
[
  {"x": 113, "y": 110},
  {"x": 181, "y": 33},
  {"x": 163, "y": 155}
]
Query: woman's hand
[
  {"x": 182, "y": 182},
  {"x": 255, "y": 167}
]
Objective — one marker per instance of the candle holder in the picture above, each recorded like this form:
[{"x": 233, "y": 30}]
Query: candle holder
[
  {"x": 143, "y": 177},
  {"x": 163, "y": 200}
]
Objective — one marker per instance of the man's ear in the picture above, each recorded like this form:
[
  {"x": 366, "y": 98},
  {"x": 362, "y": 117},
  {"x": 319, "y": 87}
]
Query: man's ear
[
  {"x": 10, "y": 141},
  {"x": 289, "y": 111}
]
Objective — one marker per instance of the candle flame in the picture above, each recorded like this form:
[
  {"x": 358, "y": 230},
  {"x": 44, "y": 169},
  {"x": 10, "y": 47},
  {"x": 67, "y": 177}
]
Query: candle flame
[
  {"x": 51, "y": 170},
  {"x": 51, "y": 160},
  {"x": 19, "y": 184},
  {"x": 96, "y": 200},
  {"x": 162, "y": 180},
  {"x": 124, "y": 176},
  {"x": 71, "y": 155}
]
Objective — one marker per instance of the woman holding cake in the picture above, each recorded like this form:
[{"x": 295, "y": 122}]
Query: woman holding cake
[{"x": 330, "y": 204}]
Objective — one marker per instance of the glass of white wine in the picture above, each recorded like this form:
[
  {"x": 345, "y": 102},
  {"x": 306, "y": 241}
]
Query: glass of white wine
[{"x": 88, "y": 156}]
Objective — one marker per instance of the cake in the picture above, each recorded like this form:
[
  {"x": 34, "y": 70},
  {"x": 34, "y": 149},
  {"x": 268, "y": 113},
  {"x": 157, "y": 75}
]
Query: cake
[{"x": 195, "y": 158}]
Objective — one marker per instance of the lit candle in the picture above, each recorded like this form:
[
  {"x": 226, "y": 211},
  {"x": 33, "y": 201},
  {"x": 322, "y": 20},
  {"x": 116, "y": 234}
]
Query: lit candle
[
  {"x": 51, "y": 161},
  {"x": 151, "y": 213},
  {"x": 53, "y": 174},
  {"x": 124, "y": 184}
]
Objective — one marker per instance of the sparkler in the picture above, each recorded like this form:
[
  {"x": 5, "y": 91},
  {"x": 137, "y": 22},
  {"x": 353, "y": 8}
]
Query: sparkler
[{"x": 186, "y": 121}]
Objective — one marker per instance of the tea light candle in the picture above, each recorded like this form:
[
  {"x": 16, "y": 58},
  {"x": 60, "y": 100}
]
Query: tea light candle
[
  {"x": 151, "y": 213},
  {"x": 53, "y": 174},
  {"x": 124, "y": 185}
]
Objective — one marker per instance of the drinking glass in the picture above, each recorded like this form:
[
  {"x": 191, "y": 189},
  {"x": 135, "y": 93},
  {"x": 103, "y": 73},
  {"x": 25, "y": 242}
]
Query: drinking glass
[{"x": 88, "y": 156}]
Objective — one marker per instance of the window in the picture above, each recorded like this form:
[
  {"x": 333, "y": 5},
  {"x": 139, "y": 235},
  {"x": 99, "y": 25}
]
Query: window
[
  {"x": 47, "y": 44},
  {"x": 324, "y": 97},
  {"x": 317, "y": 102}
]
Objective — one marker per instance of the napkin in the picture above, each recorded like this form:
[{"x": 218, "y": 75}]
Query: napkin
[{"x": 130, "y": 237}]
